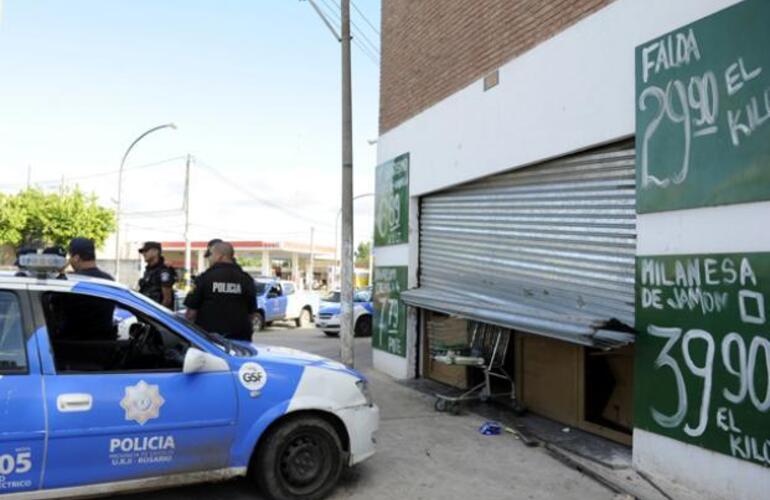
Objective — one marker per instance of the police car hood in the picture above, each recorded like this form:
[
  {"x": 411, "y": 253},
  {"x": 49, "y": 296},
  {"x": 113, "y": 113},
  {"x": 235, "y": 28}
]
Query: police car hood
[{"x": 301, "y": 358}]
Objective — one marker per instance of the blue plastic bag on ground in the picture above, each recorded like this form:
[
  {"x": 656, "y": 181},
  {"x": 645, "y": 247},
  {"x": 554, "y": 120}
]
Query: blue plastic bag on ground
[{"x": 491, "y": 428}]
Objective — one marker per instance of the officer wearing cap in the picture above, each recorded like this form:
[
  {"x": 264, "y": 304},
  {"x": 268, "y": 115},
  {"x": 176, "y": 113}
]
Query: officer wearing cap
[
  {"x": 209, "y": 246},
  {"x": 82, "y": 317},
  {"x": 83, "y": 259},
  {"x": 159, "y": 278},
  {"x": 224, "y": 299}
]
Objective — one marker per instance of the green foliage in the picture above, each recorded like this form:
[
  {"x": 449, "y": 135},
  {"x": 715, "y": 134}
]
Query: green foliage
[
  {"x": 34, "y": 217},
  {"x": 250, "y": 262},
  {"x": 362, "y": 254}
]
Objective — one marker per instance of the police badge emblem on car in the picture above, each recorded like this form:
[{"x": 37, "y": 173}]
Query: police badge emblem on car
[{"x": 142, "y": 402}]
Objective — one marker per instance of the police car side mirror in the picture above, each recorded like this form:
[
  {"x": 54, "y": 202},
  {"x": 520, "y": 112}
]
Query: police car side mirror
[{"x": 197, "y": 361}]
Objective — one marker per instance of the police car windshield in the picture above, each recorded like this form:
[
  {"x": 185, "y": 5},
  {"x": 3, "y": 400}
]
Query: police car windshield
[
  {"x": 216, "y": 339},
  {"x": 332, "y": 297},
  {"x": 260, "y": 287}
]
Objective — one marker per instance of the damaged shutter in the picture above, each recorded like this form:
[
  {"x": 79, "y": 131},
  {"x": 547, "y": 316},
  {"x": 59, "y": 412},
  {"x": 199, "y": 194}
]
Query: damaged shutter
[{"x": 547, "y": 249}]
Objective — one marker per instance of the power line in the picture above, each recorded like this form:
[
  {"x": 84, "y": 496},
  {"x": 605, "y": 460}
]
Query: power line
[
  {"x": 272, "y": 233},
  {"x": 98, "y": 174},
  {"x": 158, "y": 229},
  {"x": 239, "y": 187},
  {"x": 371, "y": 53},
  {"x": 364, "y": 17},
  {"x": 334, "y": 7}
]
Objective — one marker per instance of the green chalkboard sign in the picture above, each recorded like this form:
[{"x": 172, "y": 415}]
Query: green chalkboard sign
[
  {"x": 702, "y": 369},
  {"x": 389, "y": 328},
  {"x": 391, "y": 202},
  {"x": 703, "y": 112}
]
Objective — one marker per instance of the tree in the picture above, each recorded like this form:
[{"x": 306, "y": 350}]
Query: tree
[
  {"x": 33, "y": 217},
  {"x": 363, "y": 252}
]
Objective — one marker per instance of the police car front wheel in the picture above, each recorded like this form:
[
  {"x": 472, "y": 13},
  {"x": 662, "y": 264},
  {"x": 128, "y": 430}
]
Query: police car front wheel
[{"x": 300, "y": 459}]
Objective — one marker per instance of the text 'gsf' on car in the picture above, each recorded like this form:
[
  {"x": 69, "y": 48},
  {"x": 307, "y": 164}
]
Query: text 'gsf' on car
[{"x": 87, "y": 411}]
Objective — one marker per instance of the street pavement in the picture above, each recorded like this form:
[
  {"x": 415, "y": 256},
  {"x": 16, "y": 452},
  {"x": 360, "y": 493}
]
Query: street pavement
[{"x": 421, "y": 454}]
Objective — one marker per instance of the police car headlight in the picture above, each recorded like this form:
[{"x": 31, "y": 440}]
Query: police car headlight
[{"x": 363, "y": 386}]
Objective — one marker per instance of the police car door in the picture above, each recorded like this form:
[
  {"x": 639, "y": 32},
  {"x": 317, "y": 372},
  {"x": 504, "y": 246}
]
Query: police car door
[
  {"x": 22, "y": 424},
  {"x": 120, "y": 423},
  {"x": 281, "y": 301}
]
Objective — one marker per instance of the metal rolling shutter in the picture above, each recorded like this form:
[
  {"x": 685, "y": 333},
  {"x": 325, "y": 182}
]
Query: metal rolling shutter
[{"x": 547, "y": 249}]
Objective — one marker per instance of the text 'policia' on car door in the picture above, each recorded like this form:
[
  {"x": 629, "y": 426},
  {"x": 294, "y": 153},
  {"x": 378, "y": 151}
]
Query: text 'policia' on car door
[{"x": 118, "y": 398}]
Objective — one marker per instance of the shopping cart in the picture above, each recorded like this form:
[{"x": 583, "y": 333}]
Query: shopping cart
[{"x": 486, "y": 351}]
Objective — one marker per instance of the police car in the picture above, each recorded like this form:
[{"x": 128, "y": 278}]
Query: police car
[
  {"x": 328, "y": 318},
  {"x": 169, "y": 405}
]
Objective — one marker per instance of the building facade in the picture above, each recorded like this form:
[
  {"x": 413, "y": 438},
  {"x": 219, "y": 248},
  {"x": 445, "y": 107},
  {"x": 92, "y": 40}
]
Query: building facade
[{"x": 521, "y": 184}]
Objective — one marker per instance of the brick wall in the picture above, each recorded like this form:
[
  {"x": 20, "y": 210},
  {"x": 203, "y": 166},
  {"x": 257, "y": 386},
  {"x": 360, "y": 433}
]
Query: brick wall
[{"x": 433, "y": 48}]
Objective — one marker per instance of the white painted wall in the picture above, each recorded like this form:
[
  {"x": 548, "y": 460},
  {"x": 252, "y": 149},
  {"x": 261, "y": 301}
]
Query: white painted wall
[
  {"x": 571, "y": 92},
  {"x": 726, "y": 229},
  {"x": 713, "y": 475}
]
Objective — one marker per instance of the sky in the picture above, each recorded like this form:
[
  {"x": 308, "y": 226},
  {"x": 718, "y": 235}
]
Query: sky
[{"x": 252, "y": 85}]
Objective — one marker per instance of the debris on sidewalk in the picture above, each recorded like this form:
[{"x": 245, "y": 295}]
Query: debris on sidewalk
[{"x": 491, "y": 428}]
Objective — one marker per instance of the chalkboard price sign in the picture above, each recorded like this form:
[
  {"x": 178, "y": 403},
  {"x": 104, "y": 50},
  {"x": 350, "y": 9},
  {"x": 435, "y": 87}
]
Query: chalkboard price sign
[
  {"x": 703, "y": 352},
  {"x": 389, "y": 328},
  {"x": 391, "y": 202},
  {"x": 703, "y": 112}
]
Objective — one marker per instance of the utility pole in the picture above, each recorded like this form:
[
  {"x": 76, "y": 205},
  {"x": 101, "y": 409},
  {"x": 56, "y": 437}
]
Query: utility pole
[
  {"x": 346, "y": 296},
  {"x": 29, "y": 172},
  {"x": 311, "y": 265},
  {"x": 187, "y": 248}
]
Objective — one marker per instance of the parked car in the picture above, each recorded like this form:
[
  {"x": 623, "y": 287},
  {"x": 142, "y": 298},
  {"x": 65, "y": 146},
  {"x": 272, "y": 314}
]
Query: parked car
[
  {"x": 331, "y": 298},
  {"x": 279, "y": 300},
  {"x": 170, "y": 405},
  {"x": 328, "y": 319}
]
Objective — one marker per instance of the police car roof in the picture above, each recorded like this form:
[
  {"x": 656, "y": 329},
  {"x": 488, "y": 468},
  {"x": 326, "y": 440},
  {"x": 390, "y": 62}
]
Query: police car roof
[{"x": 9, "y": 278}]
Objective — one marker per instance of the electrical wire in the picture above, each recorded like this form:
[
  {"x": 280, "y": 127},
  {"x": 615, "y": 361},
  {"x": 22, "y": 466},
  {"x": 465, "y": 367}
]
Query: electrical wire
[
  {"x": 179, "y": 232},
  {"x": 334, "y": 7},
  {"x": 261, "y": 233},
  {"x": 366, "y": 19},
  {"x": 268, "y": 203},
  {"x": 98, "y": 174},
  {"x": 371, "y": 53}
]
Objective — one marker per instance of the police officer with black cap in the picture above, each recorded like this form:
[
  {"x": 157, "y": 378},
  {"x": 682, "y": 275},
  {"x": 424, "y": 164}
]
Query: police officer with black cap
[
  {"x": 159, "y": 278},
  {"x": 224, "y": 299},
  {"x": 81, "y": 317}
]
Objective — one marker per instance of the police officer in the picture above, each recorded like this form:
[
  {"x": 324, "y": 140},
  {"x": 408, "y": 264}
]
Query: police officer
[
  {"x": 224, "y": 299},
  {"x": 210, "y": 245},
  {"x": 159, "y": 278},
  {"x": 82, "y": 317}
]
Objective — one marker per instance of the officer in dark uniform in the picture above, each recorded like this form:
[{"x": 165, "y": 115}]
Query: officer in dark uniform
[
  {"x": 81, "y": 317},
  {"x": 159, "y": 278},
  {"x": 224, "y": 299}
]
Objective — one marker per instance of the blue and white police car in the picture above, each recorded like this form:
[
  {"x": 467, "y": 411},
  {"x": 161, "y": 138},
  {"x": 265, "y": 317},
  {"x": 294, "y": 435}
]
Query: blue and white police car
[
  {"x": 85, "y": 411},
  {"x": 328, "y": 318}
]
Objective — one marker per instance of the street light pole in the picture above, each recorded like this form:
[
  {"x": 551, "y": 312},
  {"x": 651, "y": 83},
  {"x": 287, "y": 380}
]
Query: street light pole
[
  {"x": 346, "y": 295},
  {"x": 120, "y": 193},
  {"x": 337, "y": 238}
]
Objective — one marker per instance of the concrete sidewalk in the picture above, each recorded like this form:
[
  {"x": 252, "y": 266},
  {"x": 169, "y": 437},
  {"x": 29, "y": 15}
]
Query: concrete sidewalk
[
  {"x": 421, "y": 454},
  {"x": 427, "y": 455}
]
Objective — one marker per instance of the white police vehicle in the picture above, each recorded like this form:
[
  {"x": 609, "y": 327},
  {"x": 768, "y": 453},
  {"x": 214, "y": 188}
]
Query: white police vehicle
[{"x": 169, "y": 405}]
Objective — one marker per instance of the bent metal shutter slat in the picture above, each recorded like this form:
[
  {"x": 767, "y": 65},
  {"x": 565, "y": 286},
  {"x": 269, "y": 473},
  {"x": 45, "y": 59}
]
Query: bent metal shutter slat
[{"x": 547, "y": 249}]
